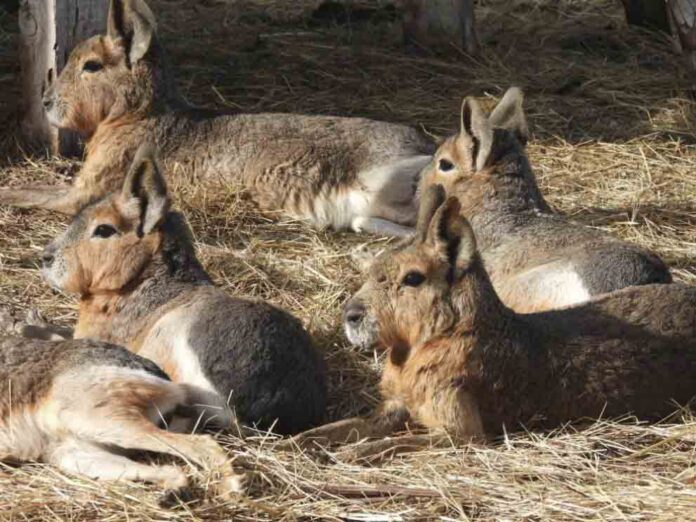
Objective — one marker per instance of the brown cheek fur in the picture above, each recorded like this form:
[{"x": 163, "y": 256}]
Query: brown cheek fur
[
  {"x": 112, "y": 268},
  {"x": 88, "y": 101},
  {"x": 422, "y": 372},
  {"x": 99, "y": 266},
  {"x": 458, "y": 151}
]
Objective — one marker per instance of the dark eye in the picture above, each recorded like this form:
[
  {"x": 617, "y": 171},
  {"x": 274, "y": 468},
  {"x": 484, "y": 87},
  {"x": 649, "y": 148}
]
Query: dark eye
[
  {"x": 445, "y": 165},
  {"x": 92, "y": 66},
  {"x": 413, "y": 279},
  {"x": 104, "y": 231}
]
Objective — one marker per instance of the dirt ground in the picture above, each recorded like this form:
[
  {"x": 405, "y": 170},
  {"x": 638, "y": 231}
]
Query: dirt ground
[{"x": 613, "y": 145}]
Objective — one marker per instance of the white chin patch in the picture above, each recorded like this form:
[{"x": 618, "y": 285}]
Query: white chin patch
[
  {"x": 52, "y": 117},
  {"x": 362, "y": 336},
  {"x": 49, "y": 276}
]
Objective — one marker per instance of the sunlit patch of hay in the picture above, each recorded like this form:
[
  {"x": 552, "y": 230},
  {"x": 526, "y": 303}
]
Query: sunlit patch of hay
[{"x": 613, "y": 145}]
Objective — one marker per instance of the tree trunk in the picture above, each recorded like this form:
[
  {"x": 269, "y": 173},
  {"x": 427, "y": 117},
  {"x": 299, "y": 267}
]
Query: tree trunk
[
  {"x": 682, "y": 16},
  {"x": 49, "y": 29},
  {"x": 650, "y": 14},
  {"x": 441, "y": 24}
]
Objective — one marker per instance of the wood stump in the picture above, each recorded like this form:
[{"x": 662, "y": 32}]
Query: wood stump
[
  {"x": 682, "y": 17},
  {"x": 650, "y": 14},
  {"x": 49, "y": 29},
  {"x": 440, "y": 24}
]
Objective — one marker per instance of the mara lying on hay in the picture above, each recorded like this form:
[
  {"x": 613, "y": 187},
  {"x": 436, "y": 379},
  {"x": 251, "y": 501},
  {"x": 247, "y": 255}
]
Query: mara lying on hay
[
  {"x": 612, "y": 138},
  {"x": 457, "y": 360}
]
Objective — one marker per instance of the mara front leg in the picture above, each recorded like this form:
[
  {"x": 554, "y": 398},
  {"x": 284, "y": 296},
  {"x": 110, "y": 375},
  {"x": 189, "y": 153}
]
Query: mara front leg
[
  {"x": 387, "y": 421},
  {"x": 64, "y": 199},
  {"x": 380, "y": 227},
  {"x": 34, "y": 326},
  {"x": 93, "y": 182}
]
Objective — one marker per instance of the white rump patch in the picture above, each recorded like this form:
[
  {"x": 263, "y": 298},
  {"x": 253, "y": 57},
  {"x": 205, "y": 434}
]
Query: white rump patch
[
  {"x": 554, "y": 285},
  {"x": 169, "y": 341}
]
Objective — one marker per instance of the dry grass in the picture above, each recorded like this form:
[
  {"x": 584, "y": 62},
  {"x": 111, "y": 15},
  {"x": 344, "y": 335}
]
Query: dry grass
[{"x": 614, "y": 145}]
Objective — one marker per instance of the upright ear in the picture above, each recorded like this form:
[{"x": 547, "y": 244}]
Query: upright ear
[
  {"x": 474, "y": 124},
  {"x": 430, "y": 201},
  {"x": 509, "y": 114},
  {"x": 146, "y": 190},
  {"x": 451, "y": 234},
  {"x": 131, "y": 24}
]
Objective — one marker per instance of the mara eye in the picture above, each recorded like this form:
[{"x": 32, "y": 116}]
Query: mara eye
[
  {"x": 413, "y": 279},
  {"x": 92, "y": 66},
  {"x": 104, "y": 231},
  {"x": 445, "y": 165}
]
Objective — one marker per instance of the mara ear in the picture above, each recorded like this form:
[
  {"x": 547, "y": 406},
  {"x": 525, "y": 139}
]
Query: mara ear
[
  {"x": 474, "y": 124},
  {"x": 131, "y": 24},
  {"x": 452, "y": 236},
  {"x": 146, "y": 190},
  {"x": 509, "y": 114},
  {"x": 430, "y": 201}
]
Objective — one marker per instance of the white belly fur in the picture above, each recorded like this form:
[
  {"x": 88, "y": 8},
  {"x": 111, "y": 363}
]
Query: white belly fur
[{"x": 337, "y": 207}]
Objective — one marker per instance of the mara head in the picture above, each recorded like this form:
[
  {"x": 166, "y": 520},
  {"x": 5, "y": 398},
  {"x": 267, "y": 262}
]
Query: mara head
[
  {"x": 109, "y": 76},
  {"x": 420, "y": 290},
  {"x": 485, "y": 146},
  {"x": 111, "y": 243}
]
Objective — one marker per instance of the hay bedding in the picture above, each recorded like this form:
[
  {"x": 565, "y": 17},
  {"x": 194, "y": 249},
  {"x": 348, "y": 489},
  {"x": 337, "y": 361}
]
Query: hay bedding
[{"x": 613, "y": 146}]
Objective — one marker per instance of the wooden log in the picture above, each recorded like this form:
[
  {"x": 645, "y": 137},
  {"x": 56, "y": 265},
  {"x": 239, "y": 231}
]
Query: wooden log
[
  {"x": 650, "y": 14},
  {"x": 49, "y": 29},
  {"x": 441, "y": 24}
]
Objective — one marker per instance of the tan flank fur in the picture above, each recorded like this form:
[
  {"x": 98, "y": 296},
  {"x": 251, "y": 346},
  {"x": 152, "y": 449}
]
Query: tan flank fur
[
  {"x": 459, "y": 361},
  {"x": 133, "y": 264},
  {"x": 117, "y": 91},
  {"x": 79, "y": 405}
]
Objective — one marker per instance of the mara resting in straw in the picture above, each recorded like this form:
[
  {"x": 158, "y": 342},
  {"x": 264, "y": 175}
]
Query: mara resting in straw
[
  {"x": 132, "y": 263},
  {"x": 537, "y": 260},
  {"x": 116, "y": 91},
  {"x": 80, "y": 404},
  {"x": 460, "y": 361}
]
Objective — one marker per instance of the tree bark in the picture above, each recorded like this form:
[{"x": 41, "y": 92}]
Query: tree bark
[
  {"x": 682, "y": 17},
  {"x": 650, "y": 14},
  {"x": 49, "y": 29},
  {"x": 441, "y": 24}
]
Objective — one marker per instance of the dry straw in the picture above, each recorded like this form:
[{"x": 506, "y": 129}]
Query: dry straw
[{"x": 613, "y": 146}]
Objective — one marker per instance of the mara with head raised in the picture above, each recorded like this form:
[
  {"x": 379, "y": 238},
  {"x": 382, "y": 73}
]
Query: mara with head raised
[
  {"x": 458, "y": 360},
  {"x": 536, "y": 259},
  {"x": 80, "y": 405},
  {"x": 117, "y": 92},
  {"x": 132, "y": 262}
]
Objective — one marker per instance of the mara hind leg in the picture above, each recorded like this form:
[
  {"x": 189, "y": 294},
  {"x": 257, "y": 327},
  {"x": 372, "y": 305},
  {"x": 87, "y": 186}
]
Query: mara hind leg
[
  {"x": 127, "y": 405},
  {"x": 393, "y": 204},
  {"x": 201, "y": 450},
  {"x": 79, "y": 457},
  {"x": 205, "y": 410}
]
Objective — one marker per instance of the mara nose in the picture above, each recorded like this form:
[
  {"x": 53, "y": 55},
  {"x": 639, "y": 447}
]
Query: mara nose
[
  {"x": 47, "y": 258},
  {"x": 354, "y": 312},
  {"x": 47, "y": 99}
]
